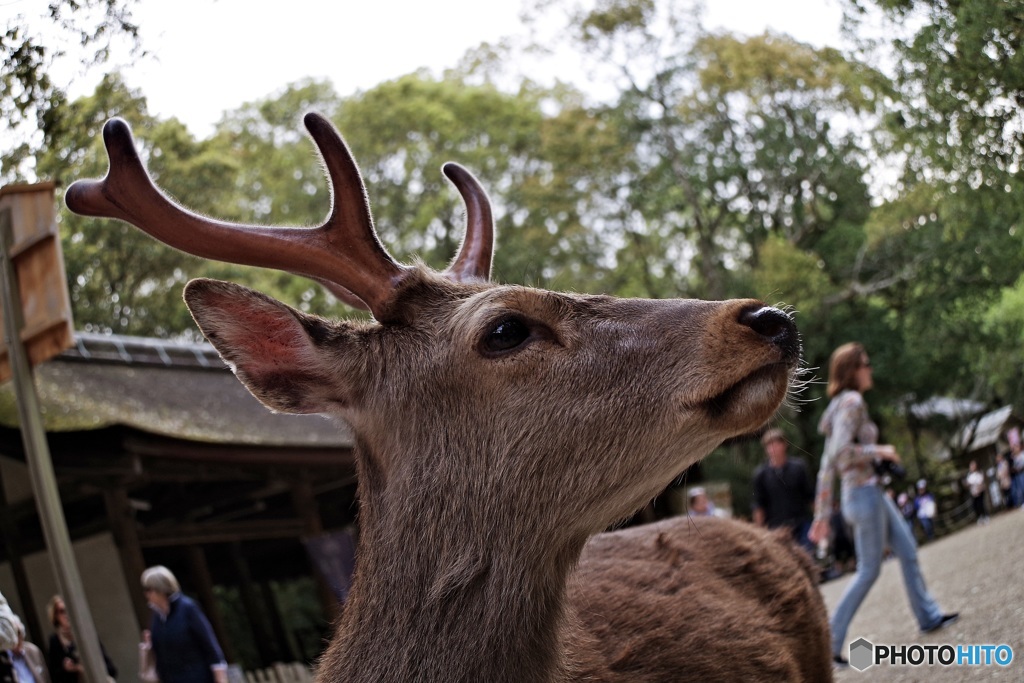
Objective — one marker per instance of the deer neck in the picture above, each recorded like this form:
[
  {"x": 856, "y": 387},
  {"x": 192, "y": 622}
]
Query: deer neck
[{"x": 451, "y": 587}]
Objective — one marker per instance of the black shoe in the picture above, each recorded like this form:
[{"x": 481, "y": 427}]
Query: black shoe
[
  {"x": 945, "y": 621},
  {"x": 839, "y": 662}
]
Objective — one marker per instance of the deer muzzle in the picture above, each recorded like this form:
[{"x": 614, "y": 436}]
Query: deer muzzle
[{"x": 775, "y": 326}]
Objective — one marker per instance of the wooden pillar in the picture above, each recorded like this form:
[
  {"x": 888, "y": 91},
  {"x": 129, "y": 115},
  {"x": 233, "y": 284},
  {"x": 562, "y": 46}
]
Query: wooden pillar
[
  {"x": 251, "y": 601},
  {"x": 304, "y": 502},
  {"x": 207, "y": 598},
  {"x": 289, "y": 649},
  {"x": 33, "y": 246},
  {"x": 121, "y": 517}
]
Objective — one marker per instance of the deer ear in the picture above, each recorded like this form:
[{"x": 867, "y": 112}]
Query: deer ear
[{"x": 267, "y": 345}]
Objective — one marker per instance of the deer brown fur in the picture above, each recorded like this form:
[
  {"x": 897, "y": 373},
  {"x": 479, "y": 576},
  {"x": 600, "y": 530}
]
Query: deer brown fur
[
  {"x": 498, "y": 428},
  {"x": 701, "y": 599}
]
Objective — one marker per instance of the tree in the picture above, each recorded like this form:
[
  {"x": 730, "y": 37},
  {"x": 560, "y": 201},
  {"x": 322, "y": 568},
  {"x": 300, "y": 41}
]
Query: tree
[
  {"x": 277, "y": 179},
  {"x": 954, "y": 216},
  {"x": 1000, "y": 355},
  {"x": 28, "y": 94},
  {"x": 120, "y": 279},
  {"x": 734, "y": 138},
  {"x": 531, "y": 162},
  {"x": 961, "y": 71}
]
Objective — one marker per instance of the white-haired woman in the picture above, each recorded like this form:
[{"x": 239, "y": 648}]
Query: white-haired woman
[{"x": 182, "y": 641}]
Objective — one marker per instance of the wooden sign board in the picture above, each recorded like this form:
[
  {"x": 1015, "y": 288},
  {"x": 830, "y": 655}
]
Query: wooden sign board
[{"x": 39, "y": 263}]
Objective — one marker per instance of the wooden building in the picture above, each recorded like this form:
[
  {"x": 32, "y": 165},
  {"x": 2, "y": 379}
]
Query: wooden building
[
  {"x": 163, "y": 457},
  {"x": 984, "y": 438}
]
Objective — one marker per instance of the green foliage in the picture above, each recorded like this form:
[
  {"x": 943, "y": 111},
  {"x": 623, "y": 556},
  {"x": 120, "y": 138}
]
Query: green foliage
[
  {"x": 733, "y": 141},
  {"x": 296, "y": 607},
  {"x": 119, "y": 279},
  {"x": 277, "y": 179},
  {"x": 788, "y": 274},
  {"x": 1006, "y": 316},
  {"x": 955, "y": 223},
  {"x": 614, "y": 16},
  {"x": 24, "y": 79},
  {"x": 28, "y": 95},
  {"x": 962, "y": 75},
  {"x": 404, "y": 130},
  {"x": 999, "y": 358}
]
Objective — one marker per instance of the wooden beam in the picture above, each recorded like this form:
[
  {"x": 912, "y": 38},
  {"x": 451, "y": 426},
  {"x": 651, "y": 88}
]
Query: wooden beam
[
  {"x": 304, "y": 502},
  {"x": 225, "y": 532},
  {"x": 252, "y": 603},
  {"x": 288, "y": 649},
  {"x": 237, "y": 454},
  {"x": 121, "y": 518},
  {"x": 204, "y": 589}
]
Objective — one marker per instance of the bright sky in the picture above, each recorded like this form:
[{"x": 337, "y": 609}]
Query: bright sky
[{"x": 210, "y": 56}]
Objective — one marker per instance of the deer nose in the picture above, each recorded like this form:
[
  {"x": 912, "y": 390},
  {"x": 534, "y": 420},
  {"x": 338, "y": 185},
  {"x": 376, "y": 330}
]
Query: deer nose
[{"x": 775, "y": 326}]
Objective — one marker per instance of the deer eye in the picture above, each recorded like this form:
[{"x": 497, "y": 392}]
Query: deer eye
[{"x": 505, "y": 335}]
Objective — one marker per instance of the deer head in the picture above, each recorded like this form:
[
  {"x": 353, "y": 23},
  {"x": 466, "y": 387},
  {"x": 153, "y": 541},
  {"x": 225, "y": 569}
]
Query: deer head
[{"x": 487, "y": 416}]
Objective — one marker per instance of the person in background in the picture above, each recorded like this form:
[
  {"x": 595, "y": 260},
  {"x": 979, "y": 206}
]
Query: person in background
[
  {"x": 907, "y": 503},
  {"x": 23, "y": 663},
  {"x": 1004, "y": 475},
  {"x": 182, "y": 640},
  {"x": 975, "y": 481},
  {"x": 926, "y": 510},
  {"x": 783, "y": 491},
  {"x": 62, "y": 655},
  {"x": 844, "y": 552},
  {"x": 8, "y": 626},
  {"x": 851, "y": 452},
  {"x": 700, "y": 506},
  {"x": 1017, "y": 457}
]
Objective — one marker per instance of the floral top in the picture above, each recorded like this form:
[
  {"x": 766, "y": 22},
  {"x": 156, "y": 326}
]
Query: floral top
[{"x": 850, "y": 440}]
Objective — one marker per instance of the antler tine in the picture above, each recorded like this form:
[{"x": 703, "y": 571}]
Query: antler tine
[
  {"x": 343, "y": 252},
  {"x": 473, "y": 261},
  {"x": 350, "y": 209}
]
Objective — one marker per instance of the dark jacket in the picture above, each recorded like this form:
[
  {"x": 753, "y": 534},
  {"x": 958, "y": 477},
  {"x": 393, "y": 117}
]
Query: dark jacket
[
  {"x": 55, "y": 661},
  {"x": 785, "y": 494},
  {"x": 184, "y": 644}
]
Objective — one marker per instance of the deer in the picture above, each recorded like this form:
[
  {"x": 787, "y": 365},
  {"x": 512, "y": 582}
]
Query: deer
[{"x": 499, "y": 430}]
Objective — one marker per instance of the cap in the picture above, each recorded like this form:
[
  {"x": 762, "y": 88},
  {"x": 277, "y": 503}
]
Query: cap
[{"x": 772, "y": 435}]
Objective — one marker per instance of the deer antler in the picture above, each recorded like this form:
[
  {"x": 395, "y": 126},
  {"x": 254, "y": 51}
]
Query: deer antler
[
  {"x": 344, "y": 253},
  {"x": 474, "y": 259}
]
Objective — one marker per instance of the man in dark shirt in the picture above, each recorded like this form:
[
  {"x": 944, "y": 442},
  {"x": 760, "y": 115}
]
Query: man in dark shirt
[{"x": 783, "y": 490}]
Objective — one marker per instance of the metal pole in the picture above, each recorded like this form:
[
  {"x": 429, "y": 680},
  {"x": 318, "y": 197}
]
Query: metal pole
[{"x": 40, "y": 469}]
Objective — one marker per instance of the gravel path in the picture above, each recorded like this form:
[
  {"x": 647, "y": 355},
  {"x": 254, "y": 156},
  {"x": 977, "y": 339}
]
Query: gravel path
[{"x": 978, "y": 572}]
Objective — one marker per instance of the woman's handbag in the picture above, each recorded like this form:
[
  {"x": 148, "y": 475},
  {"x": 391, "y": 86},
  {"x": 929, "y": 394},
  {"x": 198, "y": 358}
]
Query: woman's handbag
[{"x": 147, "y": 664}]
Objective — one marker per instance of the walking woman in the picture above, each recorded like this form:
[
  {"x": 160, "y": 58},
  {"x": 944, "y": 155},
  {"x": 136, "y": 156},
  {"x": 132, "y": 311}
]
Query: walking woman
[
  {"x": 851, "y": 452},
  {"x": 181, "y": 638}
]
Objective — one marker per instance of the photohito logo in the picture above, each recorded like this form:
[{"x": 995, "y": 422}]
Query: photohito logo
[{"x": 865, "y": 654}]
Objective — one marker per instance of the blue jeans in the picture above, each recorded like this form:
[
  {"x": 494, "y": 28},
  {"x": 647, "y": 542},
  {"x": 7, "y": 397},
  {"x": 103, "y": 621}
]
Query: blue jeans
[
  {"x": 1017, "y": 489},
  {"x": 876, "y": 523}
]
